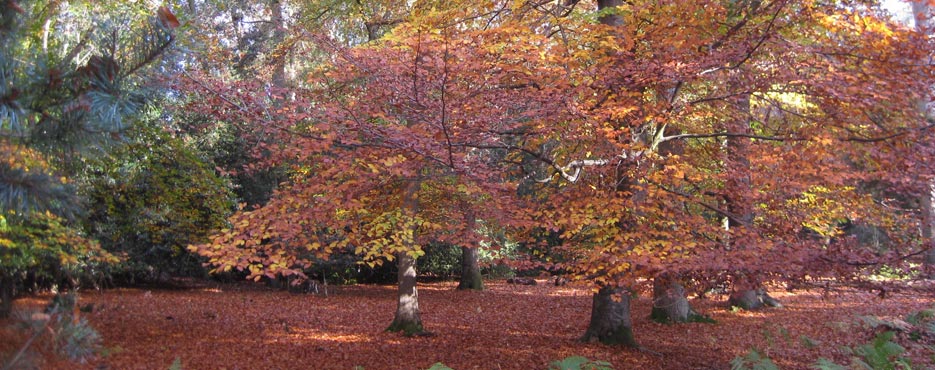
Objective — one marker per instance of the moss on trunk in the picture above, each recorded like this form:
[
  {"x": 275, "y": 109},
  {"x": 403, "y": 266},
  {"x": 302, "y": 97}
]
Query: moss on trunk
[
  {"x": 471, "y": 278},
  {"x": 408, "y": 328}
]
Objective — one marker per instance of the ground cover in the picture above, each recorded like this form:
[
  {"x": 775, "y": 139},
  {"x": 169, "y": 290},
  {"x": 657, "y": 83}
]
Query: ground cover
[{"x": 244, "y": 326}]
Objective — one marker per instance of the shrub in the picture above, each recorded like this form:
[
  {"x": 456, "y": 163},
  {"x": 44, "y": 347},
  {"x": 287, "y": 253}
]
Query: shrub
[
  {"x": 149, "y": 200},
  {"x": 69, "y": 335}
]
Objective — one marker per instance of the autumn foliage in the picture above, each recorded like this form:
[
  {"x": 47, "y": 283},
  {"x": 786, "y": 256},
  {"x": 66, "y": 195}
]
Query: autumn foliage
[{"x": 719, "y": 140}]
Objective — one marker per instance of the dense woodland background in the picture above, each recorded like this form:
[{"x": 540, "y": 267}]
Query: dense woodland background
[{"x": 591, "y": 157}]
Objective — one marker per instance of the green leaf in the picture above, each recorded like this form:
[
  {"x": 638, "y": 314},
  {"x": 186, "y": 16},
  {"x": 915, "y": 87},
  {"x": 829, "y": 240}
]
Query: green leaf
[
  {"x": 579, "y": 363},
  {"x": 439, "y": 366},
  {"x": 826, "y": 364},
  {"x": 176, "y": 365},
  {"x": 753, "y": 361}
]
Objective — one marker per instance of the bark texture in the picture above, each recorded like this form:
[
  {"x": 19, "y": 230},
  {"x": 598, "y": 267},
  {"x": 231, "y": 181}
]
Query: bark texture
[
  {"x": 407, "y": 319},
  {"x": 752, "y": 299},
  {"x": 928, "y": 232},
  {"x": 279, "y": 35},
  {"x": 610, "y": 319},
  {"x": 470, "y": 271},
  {"x": 670, "y": 303}
]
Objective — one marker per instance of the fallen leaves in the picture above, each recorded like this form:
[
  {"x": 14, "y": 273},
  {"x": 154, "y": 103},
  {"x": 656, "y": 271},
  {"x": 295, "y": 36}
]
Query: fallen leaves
[{"x": 247, "y": 326}]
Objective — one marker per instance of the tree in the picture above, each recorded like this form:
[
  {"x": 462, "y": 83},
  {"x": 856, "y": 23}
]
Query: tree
[
  {"x": 631, "y": 129},
  {"x": 41, "y": 248},
  {"x": 59, "y": 99},
  {"x": 803, "y": 155},
  {"x": 398, "y": 141},
  {"x": 923, "y": 14},
  {"x": 150, "y": 199}
]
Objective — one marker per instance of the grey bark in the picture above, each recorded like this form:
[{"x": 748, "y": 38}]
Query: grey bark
[
  {"x": 471, "y": 278},
  {"x": 928, "y": 231},
  {"x": 751, "y": 299},
  {"x": 408, "y": 319},
  {"x": 670, "y": 303},
  {"x": 610, "y": 318},
  {"x": 279, "y": 35}
]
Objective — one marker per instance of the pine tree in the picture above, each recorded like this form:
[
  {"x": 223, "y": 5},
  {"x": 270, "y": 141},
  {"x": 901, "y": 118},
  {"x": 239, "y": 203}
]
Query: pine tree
[
  {"x": 59, "y": 97},
  {"x": 71, "y": 78}
]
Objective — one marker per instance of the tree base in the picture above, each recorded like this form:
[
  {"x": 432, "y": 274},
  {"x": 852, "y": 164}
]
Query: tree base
[
  {"x": 620, "y": 337},
  {"x": 752, "y": 299},
  {"x": 661, "y": 316},
  {"x": 409, "y": 329},
  {"x": 476, "y": 282},
  {"x": 610, "y": 319}
]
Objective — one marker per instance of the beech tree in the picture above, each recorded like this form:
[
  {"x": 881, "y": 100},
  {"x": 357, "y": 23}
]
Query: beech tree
[
  {"x": 923, "y": 13},
  {"x": 635, "y": 130},
  {"x": 782, "y": 116},
  {"x": 396, "y": 143}
]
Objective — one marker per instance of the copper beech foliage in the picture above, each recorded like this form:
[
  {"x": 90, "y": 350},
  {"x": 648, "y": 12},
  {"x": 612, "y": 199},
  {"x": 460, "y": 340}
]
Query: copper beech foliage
[{"x": 637, "y": 142}]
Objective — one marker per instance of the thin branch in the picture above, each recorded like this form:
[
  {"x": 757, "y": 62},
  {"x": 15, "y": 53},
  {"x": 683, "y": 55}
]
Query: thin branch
[
  {"x": 444, "y": 107},
  {"x": 700, "y": 203},
  {"x": 731, "y": 134}
]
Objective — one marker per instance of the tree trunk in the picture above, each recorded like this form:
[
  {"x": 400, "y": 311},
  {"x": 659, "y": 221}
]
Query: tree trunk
[
  {"x": 6, "y": 296},
  {"x": 751, "y": 299},
  {"x": 610, "y": 318},
  {"x": 612, "y": 19},
  {"x": 470, "y": 271},
  {"x": 670, "y": 303},
  {"x": 279, "y": 35},
  {"x": 928, "y": 232},
  {"x": 407, "y": 319},
  {"x": 924, "y": 14}
]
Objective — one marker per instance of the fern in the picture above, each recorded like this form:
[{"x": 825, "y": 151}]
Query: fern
[
  {"x": 579, "y": 363},
  {"x": 753, "y": 360},
  {"x": 882, "y": 353},
  {"x": 439, "y": 366}
]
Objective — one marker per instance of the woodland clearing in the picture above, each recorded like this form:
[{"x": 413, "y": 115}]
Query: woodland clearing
[{"x": 247, "y": 326}]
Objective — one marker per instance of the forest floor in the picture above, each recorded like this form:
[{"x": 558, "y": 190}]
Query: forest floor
[{"x": 245, "y": 326}]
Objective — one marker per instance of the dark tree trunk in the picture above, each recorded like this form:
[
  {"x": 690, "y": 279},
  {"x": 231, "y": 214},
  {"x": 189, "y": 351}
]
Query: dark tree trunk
[
  {"x": 928, "y": 232},
  {"x": 6, "y": 296},
  {"x": 670, "y": 303},
  {"x": 929, "y": 263},
  {"x": 612, "y": 19},
  {"x": 924, "y": 14},
  {"x": 470, "y": 272},
  {"x": 610, "y": 319},
  {"x": 407, "y": 319}
]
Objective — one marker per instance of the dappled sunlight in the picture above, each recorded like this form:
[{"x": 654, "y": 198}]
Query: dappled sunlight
[
  {"x": 309, "y": 335},
  {"x": 508, "y": 327}
]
